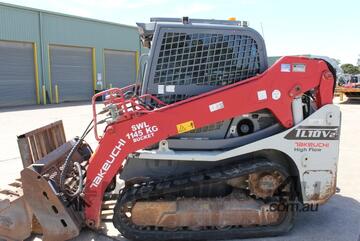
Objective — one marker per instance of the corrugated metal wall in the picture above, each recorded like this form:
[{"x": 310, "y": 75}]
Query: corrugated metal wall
[
  {"x": 46, "y": 28},
  {"x": 71, "y": 71},
  {"x": 17, "y": 75},
  {"x": 17, "y": 23},
  {"x": 120, "y": 67}
]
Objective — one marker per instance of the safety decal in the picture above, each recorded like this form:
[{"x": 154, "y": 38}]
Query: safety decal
[
  {"x": 276, "y": 94},
  {"x": 216, "y": 106},
  {"x": 299, "y": 68},
  {"x": 285, "y": 68},
  {"x": 161, "y": 89},
  {"x": 185, "y": 126},
  {"x": 261, "y": 95},
  {"x": 170, "y": 88}
]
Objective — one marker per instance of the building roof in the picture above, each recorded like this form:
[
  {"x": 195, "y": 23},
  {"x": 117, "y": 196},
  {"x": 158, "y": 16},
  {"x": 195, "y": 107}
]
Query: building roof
[{"x": 65, "y": 15}]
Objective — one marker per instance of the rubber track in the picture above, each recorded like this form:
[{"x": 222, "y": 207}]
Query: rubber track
[{"x": 152, "y": 189}]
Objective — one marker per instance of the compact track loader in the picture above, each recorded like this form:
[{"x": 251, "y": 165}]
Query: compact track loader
[{"x": 210, "y": 141}]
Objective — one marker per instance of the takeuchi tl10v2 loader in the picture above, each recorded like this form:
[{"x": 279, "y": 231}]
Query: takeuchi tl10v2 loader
[{"x": 211, "y": 144}]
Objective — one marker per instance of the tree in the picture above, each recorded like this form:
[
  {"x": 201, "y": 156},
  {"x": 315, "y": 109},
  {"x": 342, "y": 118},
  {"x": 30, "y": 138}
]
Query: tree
[{"x": 350, "y": 69}]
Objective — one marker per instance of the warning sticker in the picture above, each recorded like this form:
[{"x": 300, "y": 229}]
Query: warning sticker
[
  {"x": 261, "y": 94},
  {"x": 276, "y": 94},
  {"x": 285, "y": 68},
  {"x": 216, "y": 106},
  {"x": 161, "y": 89},
  {"x": 185, "y": 127},
  {"x": 299, "y": 67},
  {"x": 170, "y": 88}
]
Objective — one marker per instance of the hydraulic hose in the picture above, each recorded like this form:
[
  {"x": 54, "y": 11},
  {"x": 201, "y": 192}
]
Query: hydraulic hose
[
  {"x": 76, "y": 164},
  {"x": 81, "y": 181}
]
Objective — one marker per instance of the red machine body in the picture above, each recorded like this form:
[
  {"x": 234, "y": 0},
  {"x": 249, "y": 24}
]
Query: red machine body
[{"x": 138, "y": 127}]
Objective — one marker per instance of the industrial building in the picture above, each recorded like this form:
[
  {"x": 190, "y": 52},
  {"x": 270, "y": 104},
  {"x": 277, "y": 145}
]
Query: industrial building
[{"x": 48, "y": 57}]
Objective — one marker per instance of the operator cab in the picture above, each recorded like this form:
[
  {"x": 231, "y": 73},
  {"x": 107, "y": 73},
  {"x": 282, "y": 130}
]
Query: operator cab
[{"x": 188, "y": 57}]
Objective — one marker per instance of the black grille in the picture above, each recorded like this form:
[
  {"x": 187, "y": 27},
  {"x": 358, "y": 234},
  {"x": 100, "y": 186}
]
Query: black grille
[
  {"x": 206, "y": 59},
  {"x": 169, "y": 99}
]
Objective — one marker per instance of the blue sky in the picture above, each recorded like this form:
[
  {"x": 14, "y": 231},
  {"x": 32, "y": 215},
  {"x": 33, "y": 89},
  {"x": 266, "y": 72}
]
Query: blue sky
[{"x": 318, "y": 27}]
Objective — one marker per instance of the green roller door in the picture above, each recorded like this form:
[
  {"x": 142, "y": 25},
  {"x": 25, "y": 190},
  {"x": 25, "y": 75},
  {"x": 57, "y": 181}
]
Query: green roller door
[
  {"x": 71, "y": 71},
  {"x": 120, "y": 67},
  {"x": 17, "y": 74}
]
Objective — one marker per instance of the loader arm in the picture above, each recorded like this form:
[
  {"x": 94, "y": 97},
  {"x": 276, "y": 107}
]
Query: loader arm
[{"x": 139, "y": 128}]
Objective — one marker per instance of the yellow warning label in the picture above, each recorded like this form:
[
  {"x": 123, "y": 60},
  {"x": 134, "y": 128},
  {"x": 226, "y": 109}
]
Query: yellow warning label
[{"x": 185, "y": 126}]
